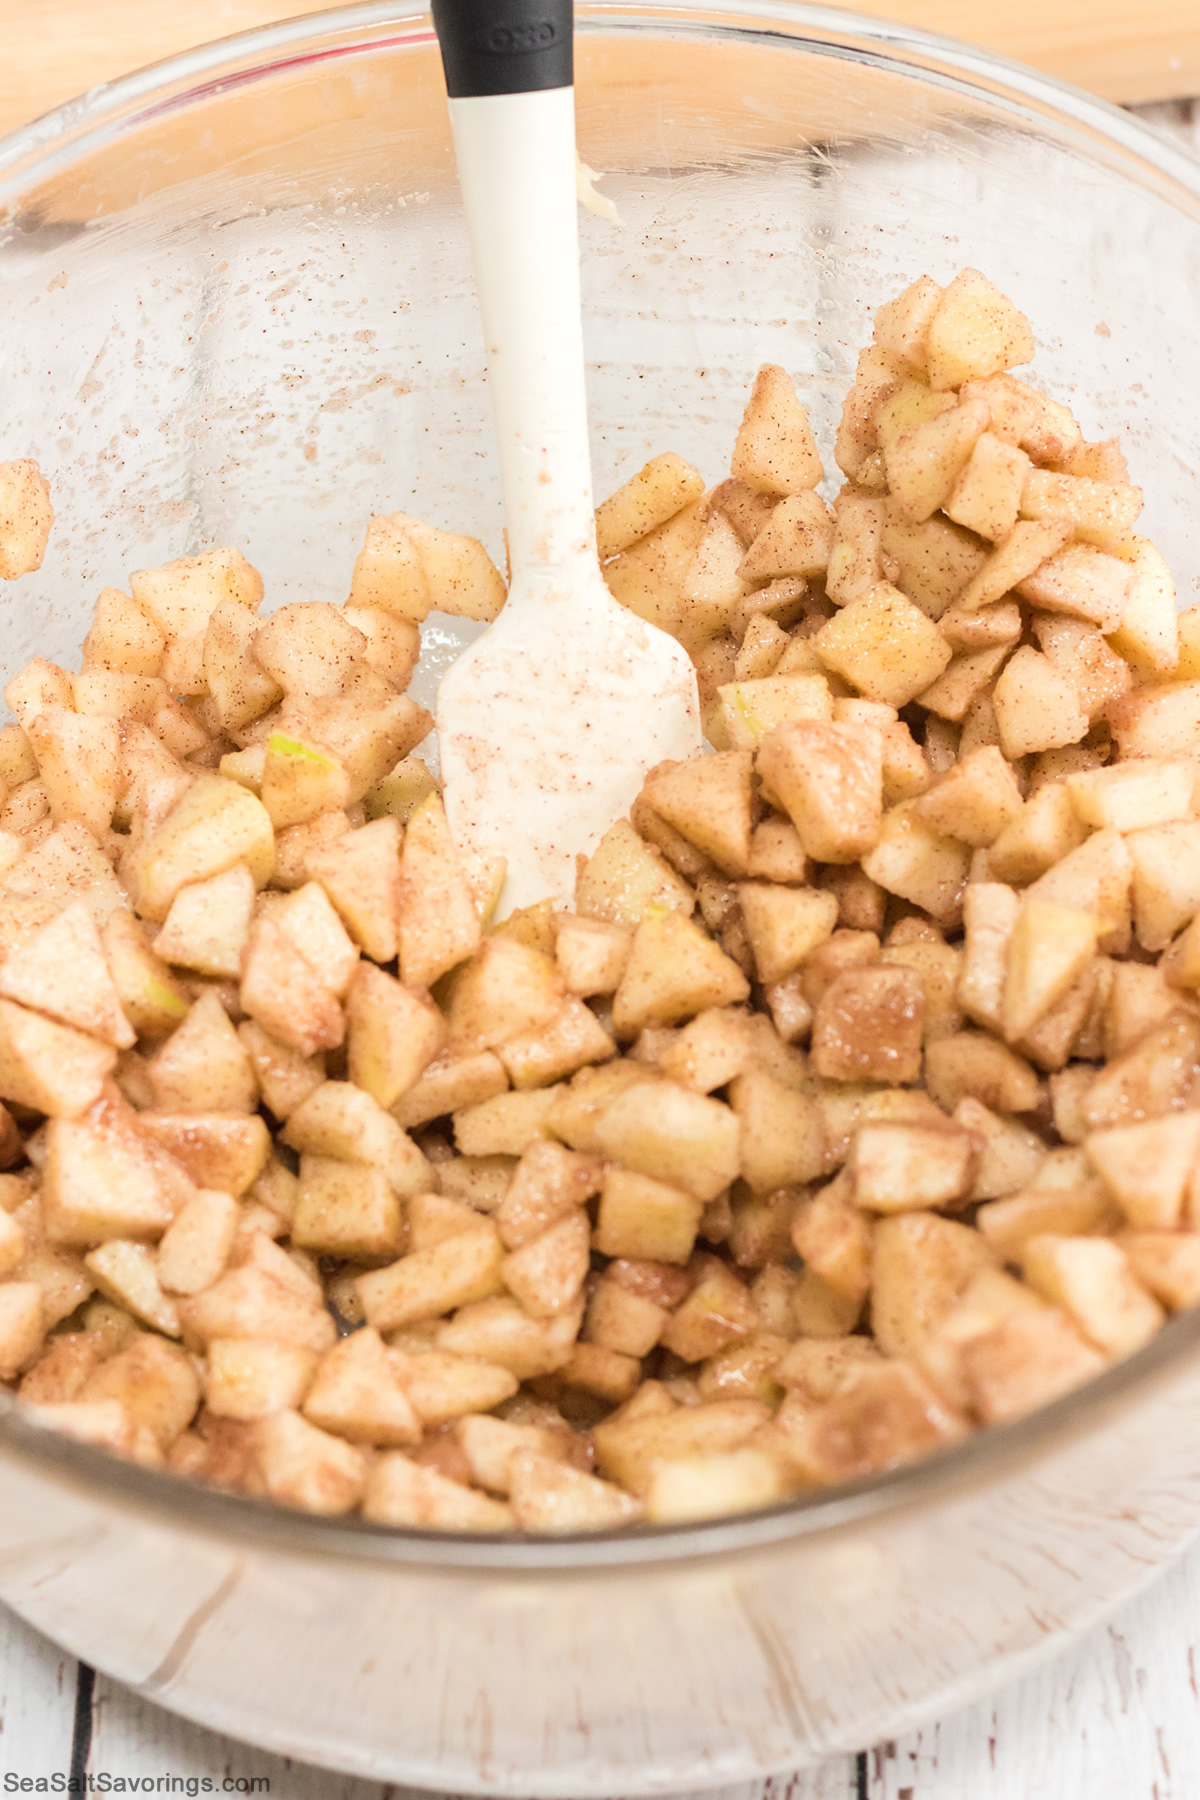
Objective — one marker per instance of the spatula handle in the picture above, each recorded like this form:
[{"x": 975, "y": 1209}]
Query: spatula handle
[
  {"x": 504, "y": 46},
  {"x": 512, "y": 108}
]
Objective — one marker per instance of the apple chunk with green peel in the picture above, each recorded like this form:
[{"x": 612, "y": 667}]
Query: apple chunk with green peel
[{"x": 215, "y": 824}]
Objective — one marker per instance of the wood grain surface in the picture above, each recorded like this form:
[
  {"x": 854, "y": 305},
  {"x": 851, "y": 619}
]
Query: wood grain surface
[
  {"x": 51, "y": 50},
  {"x": 1117, "y": 1718}
]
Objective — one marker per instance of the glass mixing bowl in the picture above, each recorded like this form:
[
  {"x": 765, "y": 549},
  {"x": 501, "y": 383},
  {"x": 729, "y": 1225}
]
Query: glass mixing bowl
[{"x": 235, "y": 307}]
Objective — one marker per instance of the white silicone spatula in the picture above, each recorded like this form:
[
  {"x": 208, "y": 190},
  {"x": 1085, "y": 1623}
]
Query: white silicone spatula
[{"x": 549, "y": 722}]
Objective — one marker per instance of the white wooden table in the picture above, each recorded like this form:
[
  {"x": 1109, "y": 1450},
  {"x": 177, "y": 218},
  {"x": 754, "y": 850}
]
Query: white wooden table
[{"x": 1117, "y": 1718}]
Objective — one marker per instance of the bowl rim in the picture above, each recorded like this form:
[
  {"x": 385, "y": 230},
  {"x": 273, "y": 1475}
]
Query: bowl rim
[{"x": 984, "y": 1455}]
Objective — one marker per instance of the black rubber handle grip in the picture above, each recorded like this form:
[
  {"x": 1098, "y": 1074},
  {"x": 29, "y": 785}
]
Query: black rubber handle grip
[{"x": 505, "y": 46}]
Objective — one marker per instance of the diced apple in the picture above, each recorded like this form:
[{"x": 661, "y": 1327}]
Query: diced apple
[
  {"x": 1024, "y": 1362},
  {"x": 346, "y": 1209},
  {"x": 922, "y": 1265},
  {"x": 967, "y": 676},
  {"x": 1037, "y": 707},
  {"x": 438, "y": 922},
  {"x": 1147, "y": 1167},
  {"x": 499, "y": 1332},
  {"x": 267, "y": 1299},
  {"x": 572, "y": 1039},
  {"x": 50, "y": 1067},
  {"x": 924, "y": 462},
  {"x": 505, "y": 1125},
  {"x": 339, "y": 1120},
  {"x": 1096, "y": 877},
  {"x": 394, "y": 1034},
  {"x": 411, "y": 569},
  {"x": 917, "y": 863},
  {"x": 784, "y": 925},
  {"x": 402, "y": 1492},
  {"x": 902, "y": 326},
  {"x": 975, "y": 801},
  {"x": 208, "y": 923},
  {"x": 308, "y": 648},
  {"x": 1156, "y": 1076},
  {"x": 215, "y": 825},
  {"x": 450, "y": 1084},
  {"x": 360, "y": 872},
  {"x": 1049, "y": 948},
  {"x": 935, "y": 560},
  {"x": 975, "y": 1065},
  {"x": 242, "y": 689},
  {"x": 717, "y": 1312},
  {"x": 796, "y": 540},
  {"x": 301, "y": 779},
  {"x": 884, "y": 646},
  {"x": 283, "y": 992},
  {"x": 550, "y": 1496},
  {"x": 987, "y": 495},
  {"x": 79, "y": 766},
  {"x": 218, "y": 1150},
  {"x": 181, "y": 596},
  {"x": 990, "y": 916},
  {"x": 674, "y": 971},
  {"x": 830, "y": 779},
  {"x": 310, "y": 1469},
  {"x": 204, "y": 1066},
  {"x": 126, "y": 1273},
  {"x": 708, "y": 801},
  {"x": 61, "y": 970},
  {"x": 1043, "y": 833},
  {"x": 867, "y": 1026},
  {"x": 1083, "y": 582},
  {"x": 1099, "y": 512},
  {"x": 624, "y": 878},
  {"x": 547, "y": 1183},
  {"x": 1167, "y": 1263},
  {"x": 454, "y": 1273},
  {"x": 251, "y": 1378},
  {"x": 782, "y": 1131},
  {"x": 546, "y": 1273},
  {"x": 122, "y": 637},
  {"x": 393, "y": 645},
  {"x": 357, "y": 1394},
  {"x": 1131, "y": 795},
  {"x": 1166, "y": 880},
  {"x": 1009, "y": 1155},
  {"x": 990, "y": 626},
  {"x": 661, "y": 1130},
  {"x": 196, "y": 1246},
  {"x": 1015, "y": 559},
  {"x": 648, "y": 499},
  {"x": 975, "y": 331},
  {"x": 591, "y": 955},
  {"x": 22, "y": 1326},
  {"x": 775, "y": 450},
  {"x": 854, "y": 560},
  {"x": 26, "y": 516},
  {"x": 1158, "y": 721},
  {"x": 902, "y": 1166},
  {"x": 1091, "y": 1279},
  {"x": 505, "y": 989},
  {"x": 652, "y": 577},
  {"x": 751, "y": 710}
]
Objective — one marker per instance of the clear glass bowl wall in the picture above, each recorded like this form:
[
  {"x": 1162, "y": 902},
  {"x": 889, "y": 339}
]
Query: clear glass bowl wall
[{"x": 236, "y": 307}]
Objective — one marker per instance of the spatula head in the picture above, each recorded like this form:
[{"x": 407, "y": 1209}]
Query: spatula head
[{"x": 547, "y": 728}]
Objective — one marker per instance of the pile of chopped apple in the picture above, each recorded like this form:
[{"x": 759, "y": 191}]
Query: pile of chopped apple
[{"x": 856, "y": 1104}]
